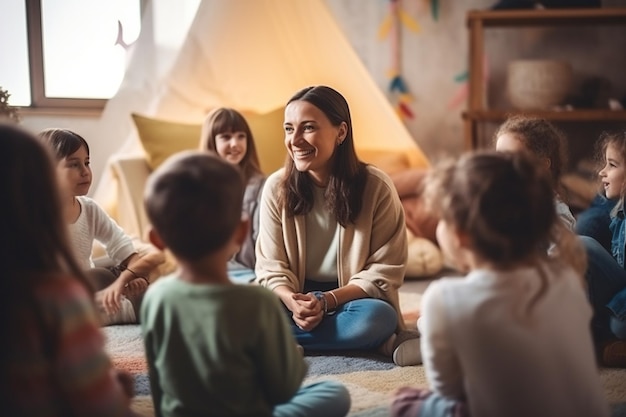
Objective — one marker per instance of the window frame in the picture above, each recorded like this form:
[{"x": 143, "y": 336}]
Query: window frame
[{"x": 40, "y": 103}]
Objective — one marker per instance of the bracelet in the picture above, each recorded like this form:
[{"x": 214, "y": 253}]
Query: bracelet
[
  {"x": 136, "y": 275},
  {"x": 320, "y": 297},
  {"x": 334, "y": 298}
]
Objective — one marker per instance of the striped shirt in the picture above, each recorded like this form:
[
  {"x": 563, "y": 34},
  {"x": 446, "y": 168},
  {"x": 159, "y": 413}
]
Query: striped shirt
[{"x": 56, "y": 364}]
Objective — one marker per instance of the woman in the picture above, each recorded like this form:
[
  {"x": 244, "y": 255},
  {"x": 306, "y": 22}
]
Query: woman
[{"x": 332, "y": 242}]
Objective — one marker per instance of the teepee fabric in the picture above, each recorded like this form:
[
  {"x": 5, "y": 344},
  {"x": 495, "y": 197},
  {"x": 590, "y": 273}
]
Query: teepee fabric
[{"x": 254, "y": 54}]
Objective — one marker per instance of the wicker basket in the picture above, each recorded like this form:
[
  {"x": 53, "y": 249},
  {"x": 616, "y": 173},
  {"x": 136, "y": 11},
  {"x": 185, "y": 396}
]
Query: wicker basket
[{"x": 538, "y": 84}]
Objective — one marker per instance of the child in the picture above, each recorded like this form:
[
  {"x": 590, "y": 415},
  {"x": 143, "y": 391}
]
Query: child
[
  {"x": 226, "y": 132},
  {"x": 595, "y": 220},
  {"x": 543, "y": 140},
  {"x": 512, "y": 337},
  {"x": 52, "y": 352},
  {"x": 606, "y": 276},
  {"x": 121, "y": 288},
  {"x": 215, "y": 348}
]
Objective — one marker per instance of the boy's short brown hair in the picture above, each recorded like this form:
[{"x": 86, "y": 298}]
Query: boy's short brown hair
[{"x": 194, "y": 202}]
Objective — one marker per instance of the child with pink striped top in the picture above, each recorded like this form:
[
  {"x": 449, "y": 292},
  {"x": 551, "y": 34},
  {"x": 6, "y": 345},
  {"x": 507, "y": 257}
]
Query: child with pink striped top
[{"x": 52, "y": 352}]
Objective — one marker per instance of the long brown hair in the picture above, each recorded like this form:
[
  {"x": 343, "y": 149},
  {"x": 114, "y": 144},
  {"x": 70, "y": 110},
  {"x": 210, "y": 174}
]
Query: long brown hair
[
  {"x": 222, "y": 120},
  {"x": 348, "y": 175}
]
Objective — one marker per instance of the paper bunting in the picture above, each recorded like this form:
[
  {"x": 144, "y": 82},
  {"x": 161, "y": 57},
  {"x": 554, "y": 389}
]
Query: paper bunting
[
  {"x": 462, "y": 92},
  {"x": 459, "y": 96},
  {"x": 433, "y": 5},
  {"x": 392, "y": 27},
  {"x": 397, "y": 84},
  {"x": 434, "y": 9},
  {"x": 459, "y": 78}
]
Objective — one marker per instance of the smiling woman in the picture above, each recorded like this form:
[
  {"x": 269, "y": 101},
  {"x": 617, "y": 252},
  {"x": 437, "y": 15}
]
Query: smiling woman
[
  {"x": 332, "y": 242},
  {"x": 311, "y": 139}
]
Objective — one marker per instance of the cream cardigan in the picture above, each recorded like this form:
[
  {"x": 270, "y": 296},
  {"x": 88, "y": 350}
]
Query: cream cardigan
[{"x": 372, "y": 252}]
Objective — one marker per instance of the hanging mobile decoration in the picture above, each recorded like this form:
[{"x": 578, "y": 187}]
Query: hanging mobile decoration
[
  {"x": 462, "y": 91},
  {"x": 434, "y": 9},
  {"x": 392, "y": 25}
]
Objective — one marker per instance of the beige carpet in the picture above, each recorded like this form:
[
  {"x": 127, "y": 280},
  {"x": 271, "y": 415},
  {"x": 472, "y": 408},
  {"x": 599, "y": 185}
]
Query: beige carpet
[{"x": 371, "y": 379}]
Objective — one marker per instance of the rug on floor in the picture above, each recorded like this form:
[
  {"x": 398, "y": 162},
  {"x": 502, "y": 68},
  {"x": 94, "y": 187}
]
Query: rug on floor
[{"x": 371, "y": 379}]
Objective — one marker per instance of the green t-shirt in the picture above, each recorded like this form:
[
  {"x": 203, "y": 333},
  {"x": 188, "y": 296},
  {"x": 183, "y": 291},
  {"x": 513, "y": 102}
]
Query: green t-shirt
[{"x": 218, "y": 350}]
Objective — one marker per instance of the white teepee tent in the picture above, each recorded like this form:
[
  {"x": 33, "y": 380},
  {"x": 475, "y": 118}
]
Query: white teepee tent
[{"x": 253, "y": 55}]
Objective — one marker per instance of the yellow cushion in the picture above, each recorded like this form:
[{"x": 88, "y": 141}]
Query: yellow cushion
[
  {"x": 162, "y": 138},
  {"x": 390, "y": 161},
  {"x": 269, "y": 137}
]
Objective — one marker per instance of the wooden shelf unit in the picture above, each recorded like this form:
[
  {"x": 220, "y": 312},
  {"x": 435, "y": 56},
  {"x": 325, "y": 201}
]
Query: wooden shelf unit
[{"x": 479, "y": 20}]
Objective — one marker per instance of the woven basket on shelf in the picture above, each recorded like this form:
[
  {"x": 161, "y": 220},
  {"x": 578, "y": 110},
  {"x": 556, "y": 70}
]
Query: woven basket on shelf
[{"x": 538, "y": 84}]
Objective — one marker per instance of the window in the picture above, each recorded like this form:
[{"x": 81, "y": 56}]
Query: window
[{"x": 66, "y": 53}]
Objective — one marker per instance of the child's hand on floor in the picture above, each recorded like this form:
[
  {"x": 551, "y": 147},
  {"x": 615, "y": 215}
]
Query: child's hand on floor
[{"x": 110, "y": 297}]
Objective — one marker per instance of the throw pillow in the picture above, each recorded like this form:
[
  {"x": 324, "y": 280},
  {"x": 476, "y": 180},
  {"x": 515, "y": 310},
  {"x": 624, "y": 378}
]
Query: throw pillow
[
  {"x": 390, "y": 161},
  {"x": 162, "y": 138},
  {"x": 269, "y": 137}
]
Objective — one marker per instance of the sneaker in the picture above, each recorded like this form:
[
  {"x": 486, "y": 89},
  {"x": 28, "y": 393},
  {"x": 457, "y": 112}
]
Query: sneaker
[
  {"x": 614, "y": 354},
  {"x": 406, "y": 348}
]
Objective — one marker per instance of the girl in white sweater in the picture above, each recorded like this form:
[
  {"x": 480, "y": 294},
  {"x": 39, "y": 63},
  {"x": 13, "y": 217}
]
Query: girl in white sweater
[{"x": 512, "y": 337}]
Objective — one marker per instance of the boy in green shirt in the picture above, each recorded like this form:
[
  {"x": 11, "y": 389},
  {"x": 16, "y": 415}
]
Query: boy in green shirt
[{"x": 215, "y": 348}]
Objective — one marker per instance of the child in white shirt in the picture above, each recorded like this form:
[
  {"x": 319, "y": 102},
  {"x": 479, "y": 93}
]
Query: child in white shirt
[{"x": 512, "y": 337}]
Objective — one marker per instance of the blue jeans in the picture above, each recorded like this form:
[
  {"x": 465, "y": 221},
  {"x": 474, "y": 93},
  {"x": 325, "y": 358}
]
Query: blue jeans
[
  {"x": 325, "y": 398},
  {"x": 363, "y": 324},
  {"x": 595, "y": 221},
  {"x": 241, "y": 276},
  {"x": 606, "y": 285}
]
